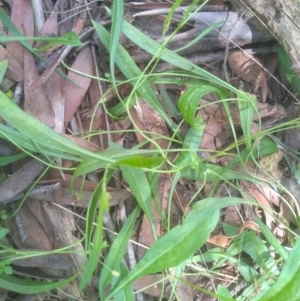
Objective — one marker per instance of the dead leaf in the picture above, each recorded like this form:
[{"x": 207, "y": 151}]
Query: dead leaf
[
  {"x": 14, "y": 70},
  {"x": 20, "y": 180},
  {"x": 246, "y": 67},
  {"x": 221, "y": 241},
  {"x": 147, "y": 119},
  {"x": 36, "y": 103},
  {"x": 26, "y": 231},
  {"x": 74, "y": 95},
  {"x": 153, "y": 285}
]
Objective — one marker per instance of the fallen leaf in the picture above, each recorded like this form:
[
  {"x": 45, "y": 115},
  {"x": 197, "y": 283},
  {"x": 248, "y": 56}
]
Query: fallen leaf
[
  {"x": 246, "y": 67},
  {"x": 74, "y": 94}
]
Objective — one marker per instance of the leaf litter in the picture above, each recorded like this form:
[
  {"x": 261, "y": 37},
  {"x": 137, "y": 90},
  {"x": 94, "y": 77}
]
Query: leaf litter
[{"x": 48, "y": 221}]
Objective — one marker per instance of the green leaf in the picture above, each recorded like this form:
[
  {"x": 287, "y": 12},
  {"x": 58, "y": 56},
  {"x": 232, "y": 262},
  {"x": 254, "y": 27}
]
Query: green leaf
[
  {"x": 247, "y": 109},
  {"x": 189, "y": 101},
  {"x": 174, "y": 247},
  {"x": 98, "y": 243},
  {"x": 40, "y": 133},
  {"x": 28, "y": 287},
  {"x": 116, "y": 30},
  {"x": 141, "y": 162},
  {"x": 3, "y": 232},
  {"x": 287, "y": 285},
  {"x": 286, "y": 65},
  {"x": 272, "y": 239},
  {"x": 220, "y": 203},
  {"x": 4, "y": 160},
  {"x": 3, "y": 68},
  {"x": 116, "y": 253}
]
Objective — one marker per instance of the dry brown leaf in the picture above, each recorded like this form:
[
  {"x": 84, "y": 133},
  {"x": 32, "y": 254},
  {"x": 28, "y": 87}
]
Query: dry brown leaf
[
  {"x": 265, "y": 196},
  {"x": 147, "y": 119},
  {"x": 245, "y": 67},
  {"x": 14, "y": 69},
  {"x": 26, "y": 231},
  {"x": 20, "y": 180},
  {"x": 221, "y": 241},
  {"x": 74, "y": 95},
  {"x": 21, "y": 16},
  {"x": 153, "y": 285},
  {"x": 36, "y": 103},
  {"x": 54, "y": 89},
  {"x": 146, "y": 236}
]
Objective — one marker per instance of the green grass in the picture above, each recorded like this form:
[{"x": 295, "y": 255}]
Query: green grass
[{"x": 277, "y": 276}]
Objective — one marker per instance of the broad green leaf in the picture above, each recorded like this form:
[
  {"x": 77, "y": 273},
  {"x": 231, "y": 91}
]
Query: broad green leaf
[
  {"x": 28, "y": 287},
  {"x": 40, "y": 133},
  {"x": 174, "y": 247},
  {"x": 3, "y": 68},
  {"x": 287, "y": 285},
  {"x": 116, "y": 253},
  {"x": 286, "y": 65}
]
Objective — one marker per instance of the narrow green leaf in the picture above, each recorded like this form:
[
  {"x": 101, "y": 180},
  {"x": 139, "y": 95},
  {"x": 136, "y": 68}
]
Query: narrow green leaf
[
  {"x": 141, "y": 162},
  {"x": 247, "y": 111},
  {"x": 175, "y": 246},
  {"x": 116, "y": 253},
  {"x": 272, "y": 239},
  {"x": 220, "y": 203},
  {"x": 4, "y": 160},
  {"x": 201, "y": 35},
  {"x": 116, "y": 29},
  {"x": 40, "y": 133},
  {"x": 189, "y": 101},
  {"x": 28, "y": 287},
  {"x": 98, "y": 243},
  {"x": 69, "y": 38},
  {"x": 286, "y": 65}
]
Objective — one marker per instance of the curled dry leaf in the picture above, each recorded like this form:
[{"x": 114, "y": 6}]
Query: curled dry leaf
[
  {"x": 246, "y": 67},
  {"x": 219, "y": 240}
]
